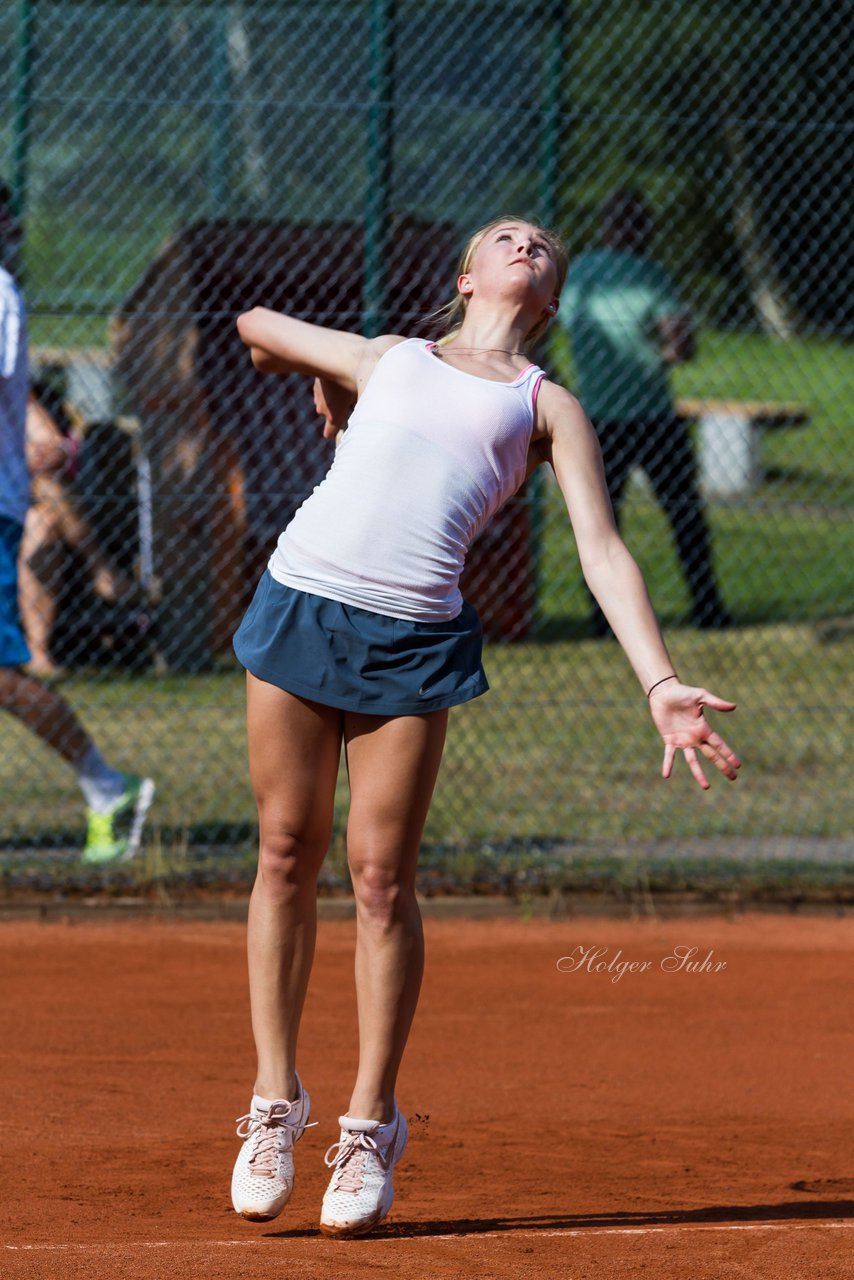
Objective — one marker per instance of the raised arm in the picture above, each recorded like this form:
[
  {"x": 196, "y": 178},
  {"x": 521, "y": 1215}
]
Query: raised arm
[
  {"x": 570, "y": 444},
  {"x": 282, "y": 344}
]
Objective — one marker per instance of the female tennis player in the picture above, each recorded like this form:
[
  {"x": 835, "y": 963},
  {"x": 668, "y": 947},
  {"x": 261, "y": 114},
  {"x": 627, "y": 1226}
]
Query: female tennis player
[{"x": 358, "y": 634}]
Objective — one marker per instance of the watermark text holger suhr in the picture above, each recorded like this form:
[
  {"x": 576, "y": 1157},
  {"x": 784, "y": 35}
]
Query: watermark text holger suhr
[{"x": 688, "y": 960}]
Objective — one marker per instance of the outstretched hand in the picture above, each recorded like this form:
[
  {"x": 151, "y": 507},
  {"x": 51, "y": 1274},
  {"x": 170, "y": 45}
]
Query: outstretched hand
[{"x": 677, "y": 710}]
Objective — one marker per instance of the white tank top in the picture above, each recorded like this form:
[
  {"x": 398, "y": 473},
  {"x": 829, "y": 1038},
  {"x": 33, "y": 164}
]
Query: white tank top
[{"x": 429, "y": 455}]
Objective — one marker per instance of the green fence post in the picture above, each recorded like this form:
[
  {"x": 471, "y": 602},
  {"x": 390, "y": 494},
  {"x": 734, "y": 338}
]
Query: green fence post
[
  {"x": 380, "y": 163},
  {"x": 549, "y": 171},
  {"x": 218, "y": 159},
  {"x": 21, "y": 114},
  {"x": 550, "y": 110}
]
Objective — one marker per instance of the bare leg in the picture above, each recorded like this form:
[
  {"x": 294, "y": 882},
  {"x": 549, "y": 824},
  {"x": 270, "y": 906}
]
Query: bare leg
[
  {"x": 44, "y": 711},
  {"x": 36, "y": 598},
  {"x": 294, "y": 749},
  {"x": 393, "y": 765}
]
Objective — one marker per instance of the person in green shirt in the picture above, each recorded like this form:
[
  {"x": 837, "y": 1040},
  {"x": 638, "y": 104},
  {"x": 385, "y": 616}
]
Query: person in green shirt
[{"x": 627, "y": 325}]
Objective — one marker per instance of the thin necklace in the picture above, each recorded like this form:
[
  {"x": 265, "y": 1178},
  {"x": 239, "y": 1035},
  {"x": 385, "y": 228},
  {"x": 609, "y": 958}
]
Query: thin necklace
[{"x": 478, "y": 350}]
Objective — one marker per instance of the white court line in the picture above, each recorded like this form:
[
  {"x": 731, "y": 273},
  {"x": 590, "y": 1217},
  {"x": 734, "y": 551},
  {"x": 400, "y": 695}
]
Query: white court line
[
  {"x": 650, "y": 1231},
  {"x": 653, "y": 1230},
  {"x": 509, "y": 1234},
  {"x": 706, "y": 1226}
]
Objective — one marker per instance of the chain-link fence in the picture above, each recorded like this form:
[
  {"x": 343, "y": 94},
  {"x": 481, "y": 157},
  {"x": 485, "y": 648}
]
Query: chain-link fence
[{"x": 175, "y": 163}]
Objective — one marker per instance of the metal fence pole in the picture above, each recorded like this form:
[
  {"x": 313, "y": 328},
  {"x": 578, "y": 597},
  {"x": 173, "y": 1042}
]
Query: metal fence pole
[
  {"x": 217, "y": 183},
  {"x": 550, "y": 113},
  {"x": 21, "y": 112},
  {"x": 380, "y": 161},
  {"x": 550, "y": 124}
]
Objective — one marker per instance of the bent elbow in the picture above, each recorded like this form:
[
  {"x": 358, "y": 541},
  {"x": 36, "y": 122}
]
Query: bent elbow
[
  {"x": 245, "y": 324},
  {"x": 605, "y": 559}
]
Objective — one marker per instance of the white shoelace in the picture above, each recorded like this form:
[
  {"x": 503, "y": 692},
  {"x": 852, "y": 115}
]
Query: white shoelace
[
  {"x": 350, "y": 1160},
  {"x": 272, "y": 1125}
]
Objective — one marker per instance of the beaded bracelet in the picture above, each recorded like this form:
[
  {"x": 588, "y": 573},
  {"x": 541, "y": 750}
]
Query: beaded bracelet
[{"x": 661, "y": 681}]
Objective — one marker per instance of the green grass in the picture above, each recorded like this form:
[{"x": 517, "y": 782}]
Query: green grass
[
  {"x": 775, "y": 561},
  {"x": 815, "y": 462},
  {"x": 581, "y": 756},
  {"x": 784, "y": 552},
  {"x": 54, "y": 329},
  {"x": 561, "y": 749}
]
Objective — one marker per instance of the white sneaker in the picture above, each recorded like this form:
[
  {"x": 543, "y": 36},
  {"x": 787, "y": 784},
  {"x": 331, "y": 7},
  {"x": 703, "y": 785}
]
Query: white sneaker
[
  {"x": 263, "y": 1177},
  {"x": 360, "y": 1193}
]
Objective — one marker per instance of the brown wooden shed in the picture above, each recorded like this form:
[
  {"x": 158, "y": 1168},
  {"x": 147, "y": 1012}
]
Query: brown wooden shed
[{"x": 232, "y": 453}]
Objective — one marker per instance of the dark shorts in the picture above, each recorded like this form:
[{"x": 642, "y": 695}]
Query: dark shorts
[
  {"x": 356, "y": 660},
  {"x": 13, "y": 645}
]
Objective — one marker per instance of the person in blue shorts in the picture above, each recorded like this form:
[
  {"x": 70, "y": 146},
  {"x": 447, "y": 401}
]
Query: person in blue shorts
[
  {"x": 117, "y": 802},
  {"x": 358, "y": 637}
]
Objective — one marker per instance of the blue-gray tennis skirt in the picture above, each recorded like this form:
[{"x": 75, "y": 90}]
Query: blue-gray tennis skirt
[{"x": 356, "y": 660}]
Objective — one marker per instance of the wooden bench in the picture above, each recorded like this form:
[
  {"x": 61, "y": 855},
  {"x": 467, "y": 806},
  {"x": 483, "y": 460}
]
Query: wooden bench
[{"x": 728, "y": 438}]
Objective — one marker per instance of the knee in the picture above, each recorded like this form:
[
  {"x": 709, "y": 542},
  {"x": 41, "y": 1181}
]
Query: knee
[
  {"x": 288, "y": 864},
  {"x": 382, "y": 895}
]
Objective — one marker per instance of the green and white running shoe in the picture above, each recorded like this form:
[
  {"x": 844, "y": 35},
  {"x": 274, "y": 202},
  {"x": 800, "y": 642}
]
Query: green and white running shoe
[{"x": 115, "y": 836}]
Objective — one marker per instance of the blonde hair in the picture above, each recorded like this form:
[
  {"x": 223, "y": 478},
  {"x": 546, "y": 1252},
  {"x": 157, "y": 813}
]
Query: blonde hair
[{"x": 454, "y": 312}]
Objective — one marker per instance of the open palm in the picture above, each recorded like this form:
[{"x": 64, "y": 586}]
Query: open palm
[{"x": 677, "y": 710}]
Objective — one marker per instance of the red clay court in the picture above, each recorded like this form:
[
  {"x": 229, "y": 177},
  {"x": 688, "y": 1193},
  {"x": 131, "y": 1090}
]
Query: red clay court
[{"x": 663, "y": 1125}]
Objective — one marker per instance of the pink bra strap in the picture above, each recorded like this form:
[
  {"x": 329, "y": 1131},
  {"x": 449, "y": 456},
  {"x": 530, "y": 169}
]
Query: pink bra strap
[{"x": 535, "y": 392}]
